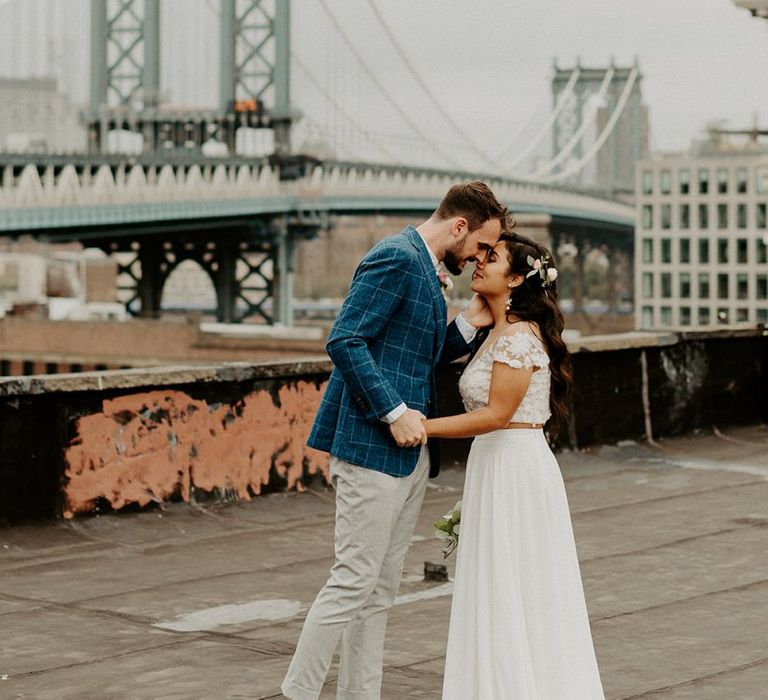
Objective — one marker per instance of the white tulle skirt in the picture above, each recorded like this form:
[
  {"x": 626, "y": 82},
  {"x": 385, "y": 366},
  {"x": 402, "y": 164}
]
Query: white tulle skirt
[{"x": 519, "y": 628}]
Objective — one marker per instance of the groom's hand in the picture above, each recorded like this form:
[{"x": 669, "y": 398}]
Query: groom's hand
[
  {"x": 477, "y": 313},
  {"x": 408, "y": 430}
]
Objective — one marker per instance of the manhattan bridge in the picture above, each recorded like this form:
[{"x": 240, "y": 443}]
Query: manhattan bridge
[{"x": 164, "y": 182}]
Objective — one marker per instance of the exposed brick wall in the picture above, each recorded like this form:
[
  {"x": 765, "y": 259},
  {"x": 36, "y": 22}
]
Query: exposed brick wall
[{"x": 100, "y": 441}]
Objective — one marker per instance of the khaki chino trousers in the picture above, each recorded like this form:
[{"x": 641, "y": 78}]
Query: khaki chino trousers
[{"x": 375, "y": 518}]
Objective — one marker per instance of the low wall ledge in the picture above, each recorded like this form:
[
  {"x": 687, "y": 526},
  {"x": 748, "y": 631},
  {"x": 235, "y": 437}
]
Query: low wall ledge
[
  {"x": 167, "y": 375},
  {"x": 637, "y": 340},
  {"x": 316, "y": 365}
]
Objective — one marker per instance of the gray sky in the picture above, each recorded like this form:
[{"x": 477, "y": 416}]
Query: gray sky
[{"x": 488, "y": 62}]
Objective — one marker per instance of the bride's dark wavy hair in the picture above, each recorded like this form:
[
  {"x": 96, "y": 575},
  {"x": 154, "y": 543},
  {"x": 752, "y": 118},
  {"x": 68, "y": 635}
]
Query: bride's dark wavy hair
[{"x": 533, "y": 301}]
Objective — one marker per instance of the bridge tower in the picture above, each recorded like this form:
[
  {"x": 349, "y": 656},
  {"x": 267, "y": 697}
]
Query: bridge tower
[
  {"x": 614, "y": 168},
  {"x": 254, "y": 82},
  {"x": 250, "y": 262},
  {"x": 125, "y": 65},
  {"x": 255, "y": 62}
]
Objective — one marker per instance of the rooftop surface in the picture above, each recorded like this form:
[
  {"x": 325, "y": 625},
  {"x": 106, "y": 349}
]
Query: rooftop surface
[{"x": 207, "y": 601}]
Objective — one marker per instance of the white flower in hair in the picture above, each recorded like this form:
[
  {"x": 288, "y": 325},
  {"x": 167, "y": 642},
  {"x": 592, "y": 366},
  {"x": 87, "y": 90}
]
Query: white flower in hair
[{"x": 541, "y": 267}]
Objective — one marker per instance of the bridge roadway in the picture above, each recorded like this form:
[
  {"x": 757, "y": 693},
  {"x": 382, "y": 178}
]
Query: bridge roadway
[
  {"x": 81, "y": 194},
  {"x": 220, "y": 211}
]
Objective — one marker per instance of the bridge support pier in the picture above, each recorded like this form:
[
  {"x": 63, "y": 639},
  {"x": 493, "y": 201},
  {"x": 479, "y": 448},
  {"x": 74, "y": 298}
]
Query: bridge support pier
[
  {"x": 283, "y": 276},
  {"x": 251, "y": 266},
  {"x": 579, "y": 277},
  {"x": 150, "y": 285},
  {"x": 226, "y": 283}
]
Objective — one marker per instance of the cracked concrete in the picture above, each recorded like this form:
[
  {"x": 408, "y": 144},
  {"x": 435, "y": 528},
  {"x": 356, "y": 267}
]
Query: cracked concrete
[{"x": 672, "y": 541}]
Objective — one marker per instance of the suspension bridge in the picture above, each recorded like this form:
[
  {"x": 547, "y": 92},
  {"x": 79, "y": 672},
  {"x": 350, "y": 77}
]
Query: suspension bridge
[{"x": 240, "y": 215}]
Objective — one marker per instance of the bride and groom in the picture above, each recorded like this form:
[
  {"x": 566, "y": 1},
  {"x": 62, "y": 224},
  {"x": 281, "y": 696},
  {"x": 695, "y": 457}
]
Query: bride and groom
[{"x": 519, "y": 627}]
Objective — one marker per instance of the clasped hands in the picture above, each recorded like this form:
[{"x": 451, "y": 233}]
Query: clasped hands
[{"x": 408, "y": 430}]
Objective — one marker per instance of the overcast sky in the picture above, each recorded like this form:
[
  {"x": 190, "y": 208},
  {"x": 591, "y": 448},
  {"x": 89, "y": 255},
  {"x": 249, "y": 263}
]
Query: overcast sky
[{"x": 488, "y": 62}]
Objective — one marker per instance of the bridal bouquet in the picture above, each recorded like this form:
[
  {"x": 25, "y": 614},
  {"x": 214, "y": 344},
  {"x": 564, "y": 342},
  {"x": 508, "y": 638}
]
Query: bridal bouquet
[{"x": 447, "y": 529}]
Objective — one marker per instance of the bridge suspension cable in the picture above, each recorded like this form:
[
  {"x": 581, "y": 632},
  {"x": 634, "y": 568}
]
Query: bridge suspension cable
[
  {"x": 317, "y": 84},
  {"x": 562, "y": 101},
  {"x": 377, "y": 83},
  {"x": 606, "y": 132},
  {"x": 428, "y": 91},
  {"x": 585, "y": 124}
]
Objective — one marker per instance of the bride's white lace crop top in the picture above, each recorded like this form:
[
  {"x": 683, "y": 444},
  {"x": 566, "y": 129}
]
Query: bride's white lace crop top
[{"x": 521, "y": 350}]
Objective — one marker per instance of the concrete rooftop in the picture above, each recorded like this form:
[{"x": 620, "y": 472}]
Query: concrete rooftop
[{"x": 207, "y": 601}]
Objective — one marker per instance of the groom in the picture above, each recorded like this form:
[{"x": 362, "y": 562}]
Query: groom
[{"x": 385, "y": 345}]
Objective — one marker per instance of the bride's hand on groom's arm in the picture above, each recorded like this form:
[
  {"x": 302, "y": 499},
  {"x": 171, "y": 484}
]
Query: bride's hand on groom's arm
[
  {"x": 477, "y": 313},
  {"x": 408, "y": 429}
]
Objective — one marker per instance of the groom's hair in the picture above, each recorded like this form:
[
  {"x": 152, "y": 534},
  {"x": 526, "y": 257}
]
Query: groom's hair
[{"x": 475, "y": 202}]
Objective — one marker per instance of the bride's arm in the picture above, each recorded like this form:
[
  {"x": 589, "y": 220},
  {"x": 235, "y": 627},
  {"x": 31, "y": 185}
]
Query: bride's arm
[{"x": 508, "y": 387}]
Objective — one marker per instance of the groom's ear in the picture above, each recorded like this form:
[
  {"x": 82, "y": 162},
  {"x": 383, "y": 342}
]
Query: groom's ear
[{"x": 460, "y": 227}]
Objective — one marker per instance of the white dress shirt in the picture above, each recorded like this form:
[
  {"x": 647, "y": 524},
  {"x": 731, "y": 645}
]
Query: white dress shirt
[{"x": 467, "y": 330}]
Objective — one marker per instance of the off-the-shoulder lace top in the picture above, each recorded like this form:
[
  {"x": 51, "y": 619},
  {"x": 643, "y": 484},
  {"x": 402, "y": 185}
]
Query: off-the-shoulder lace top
[{"x": 520, "y": 349}]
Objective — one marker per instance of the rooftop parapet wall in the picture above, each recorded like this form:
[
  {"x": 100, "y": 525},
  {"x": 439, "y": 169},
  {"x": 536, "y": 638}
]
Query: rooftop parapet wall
[{"x": 91, "y": 442}]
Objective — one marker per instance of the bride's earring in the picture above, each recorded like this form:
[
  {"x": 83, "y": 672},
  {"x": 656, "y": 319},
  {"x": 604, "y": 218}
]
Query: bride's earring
[{"x": 509, "y": 300}]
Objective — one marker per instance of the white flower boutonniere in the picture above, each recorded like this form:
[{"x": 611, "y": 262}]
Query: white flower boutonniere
[{"x": 446, "y": 283}]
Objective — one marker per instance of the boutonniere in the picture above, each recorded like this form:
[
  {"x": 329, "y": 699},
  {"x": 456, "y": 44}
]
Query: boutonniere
[{"x": 446, "y": 283}]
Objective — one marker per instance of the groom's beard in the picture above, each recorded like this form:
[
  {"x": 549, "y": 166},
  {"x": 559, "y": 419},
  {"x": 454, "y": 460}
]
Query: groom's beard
[{"x": 453, "y": 263}]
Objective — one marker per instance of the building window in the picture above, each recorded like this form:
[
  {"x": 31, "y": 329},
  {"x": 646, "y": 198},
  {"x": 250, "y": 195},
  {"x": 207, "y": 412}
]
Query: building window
[
  {"x": 685, "y": 181},
  {"x": 762, "y": 315},
  {"x": 762, "y": 250},
  {"x": 647, "y": 216},
  {"x": 741, "y": 215},
  {"x": 723, "y": 316},
  {"x": 703, "y": 216},
  {"x": 742, "y": 315},
  {"x": 685, "y": 315},
  {"x": 666, "y": 285},
  {"x": 685, "y": 250},
  {"x": 703, "y": 181},
  {"x": 761, "y": 287},
  {"x": 722, "y": 250},
  {"x": 722, "y": 180},
  {"x": 666, "y": 250},
  {"x": 666, "y": 182},
  {"x": 741, "y": 180},
  {"x": 761, "y": 181},
  {"x": 647, "y": 285},
  {"x": 666, "y": 216},
  {"x": 685, "y": 216},
  {"x": 647, "y": 317},
  {"x": 760, "y": 219},
  {"x": 703, "y": 315},
  {"x": 647, "y": 250},
  {"x": 722, "y": 286},
  {"x": 647, "y": 182},
  {"x": 666, "y": 315},
  {"x": 703, "y": 250},
  {"x": 742, "y": 286},
  {"x": 703, "y": 285},
  {"x": 51, "y": 368},
  {"x": 685, "y": 285},
  {"x": 741, "y": 250},
  {"x": 722, "y": 216},
  {"x": 27, "y": 368}
]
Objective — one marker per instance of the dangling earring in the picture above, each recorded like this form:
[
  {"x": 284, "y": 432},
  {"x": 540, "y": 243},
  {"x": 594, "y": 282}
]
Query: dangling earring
[{"x": 509, "y": 300}]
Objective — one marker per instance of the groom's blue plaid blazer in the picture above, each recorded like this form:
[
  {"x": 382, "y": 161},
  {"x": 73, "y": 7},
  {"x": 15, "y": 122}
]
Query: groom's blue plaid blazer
[{"x": 385, "y": 344}]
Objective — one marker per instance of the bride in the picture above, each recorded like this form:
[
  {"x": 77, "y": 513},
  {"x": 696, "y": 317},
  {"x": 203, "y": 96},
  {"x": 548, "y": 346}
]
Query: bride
[{"x": 519, "y": 628}]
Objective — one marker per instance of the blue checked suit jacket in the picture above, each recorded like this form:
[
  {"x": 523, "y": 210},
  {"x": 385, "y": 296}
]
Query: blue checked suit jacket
[{"x": 386, "y": 343}]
